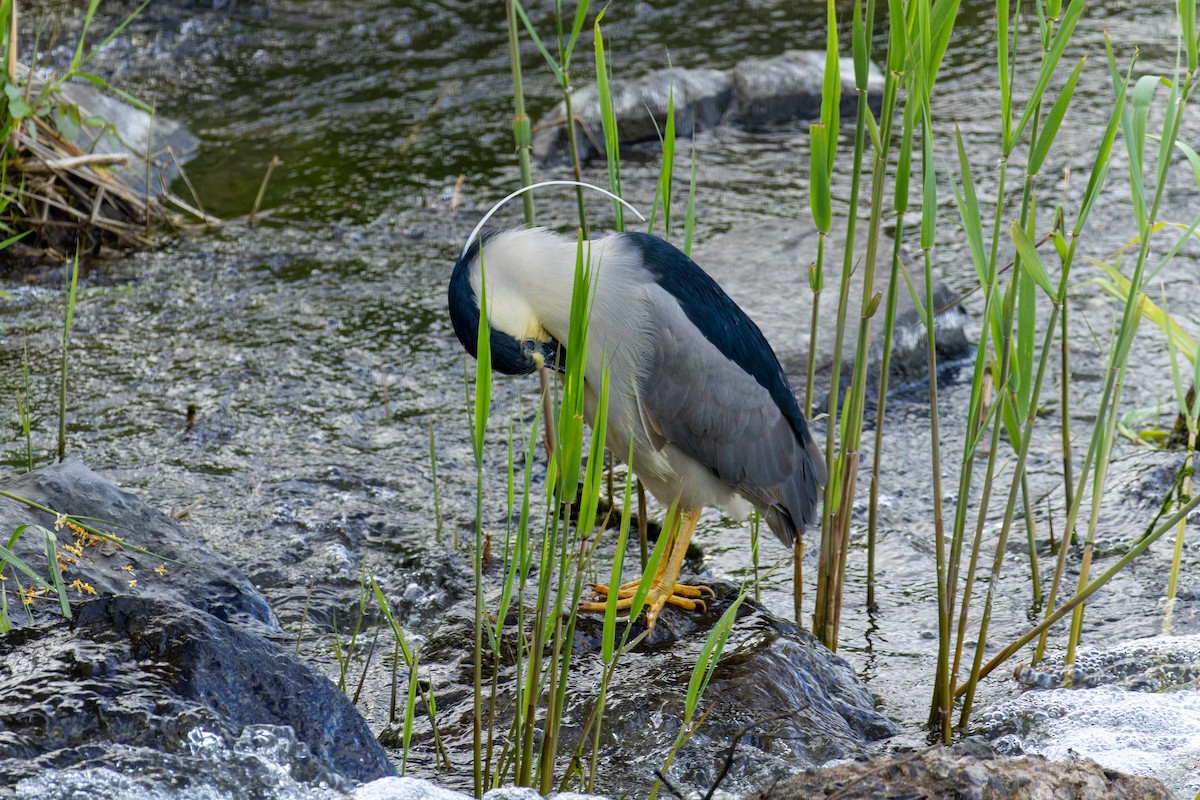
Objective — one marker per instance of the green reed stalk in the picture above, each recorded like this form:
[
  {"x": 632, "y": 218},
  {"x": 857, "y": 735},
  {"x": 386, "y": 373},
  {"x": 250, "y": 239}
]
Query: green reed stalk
[
  {"x": 897, "y": 74},
  {"x": 1134, "y": 127},
  {"x": 1018, "y": 391},
  {"x": 561, "y": 67},
  {"x": 608, "y": 653},
  {"x": 22, "y": 407},
  {"x": 483, "y": 404},
  {"x": 706, "y": 664},
  {"x": 1064, "y": 413},
  {"x": 823, "y": 141},
  {"x": 437, "y": 498},
  {"x": 1190, "y": 413},
  {"x": 1085, "y": 592},
  {"x": 410, "y": 661},
  {"x": 1135, "y": 135},
  {"x": 522, "y": 127},
  {"x": 66, "y": 340},
  {"x": 870, "y": 299},
  {"x": 829, "y": 564}
]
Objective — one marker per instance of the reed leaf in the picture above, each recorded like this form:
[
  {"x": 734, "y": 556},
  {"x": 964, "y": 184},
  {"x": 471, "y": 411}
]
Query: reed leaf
[
  {"x": 1049, "y": 65},
  {"x": 968, "y": 210},
  {"x": 551, "y": 62},
  {"x": 820, "y": 200},
  {"x": 1031, "y": 261},
  {"x": 608, "y": 121},
  {"x": 1053, "y": 120},
  {"x": 831, "y": 86}
]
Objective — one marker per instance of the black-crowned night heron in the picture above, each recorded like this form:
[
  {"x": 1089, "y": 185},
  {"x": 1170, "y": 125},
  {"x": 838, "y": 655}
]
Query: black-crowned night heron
[{"x": 694, "y": 385}]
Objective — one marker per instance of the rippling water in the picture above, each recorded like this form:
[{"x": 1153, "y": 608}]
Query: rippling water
[{"x": 318, "y": 353}]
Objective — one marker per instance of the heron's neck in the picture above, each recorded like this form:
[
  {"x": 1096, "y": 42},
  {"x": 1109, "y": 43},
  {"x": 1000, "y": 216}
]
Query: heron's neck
[{"x": 531, "y": 278}]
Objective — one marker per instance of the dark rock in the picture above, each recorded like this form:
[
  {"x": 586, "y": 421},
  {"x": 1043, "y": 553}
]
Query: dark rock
[
  {"x": 771, "y": 91},
  {"x": 153, "y": 667},
  {"x": 798, "y": 703},
  {"x": 968, "y": 770},
  {"x": 187, "y": 574},
  {"x": 130, "y": 680}
]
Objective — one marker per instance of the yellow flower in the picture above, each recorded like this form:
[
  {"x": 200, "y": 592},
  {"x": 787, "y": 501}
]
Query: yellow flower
[
  {"x": 133, "y": 583},
  {"x": 81, "y": 587},
  {"x": 161, "y": 569}
]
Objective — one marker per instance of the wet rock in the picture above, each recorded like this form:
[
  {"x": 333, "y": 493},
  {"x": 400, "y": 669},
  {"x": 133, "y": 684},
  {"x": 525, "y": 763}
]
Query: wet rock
[
  {"x": 160, "y": 560},
  {"x": 701, "y": 97},
  {"x": 165, "y": 661},
  {"x": 793, "y": 701},
  {"x": 757, "y": 93},
  {"x": 130, "y": 680},
  {"x": 771, "y": 91},
  {"x": 969, "y": 770},
  {"x": 406, "y": 788},
  {"x": 1131, "y": 706}
]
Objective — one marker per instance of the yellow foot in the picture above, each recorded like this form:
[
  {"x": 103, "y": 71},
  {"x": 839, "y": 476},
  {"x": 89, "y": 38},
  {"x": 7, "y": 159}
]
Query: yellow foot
[{"x": 681, "y": 595}]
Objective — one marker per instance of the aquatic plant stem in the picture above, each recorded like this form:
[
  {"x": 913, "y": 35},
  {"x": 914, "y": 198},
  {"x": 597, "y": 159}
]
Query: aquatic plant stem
[
  {"x": 66, "y": 340},
  {"x": 1084, "y": 593},
  {"x": 522, "y": 127},
  {"x": 829, "y": 564},
  {"x": 815, "y": 281},
  {"x": 1064, "y": 381}
]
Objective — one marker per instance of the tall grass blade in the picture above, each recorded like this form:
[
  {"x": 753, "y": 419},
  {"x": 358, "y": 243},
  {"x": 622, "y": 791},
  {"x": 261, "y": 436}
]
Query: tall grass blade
[
  {"x": 608, "y": 122},
  {"x": 62, "y": 386},
  {"x": 1049, "y": 65},
  {"x": 1053, "y": 120}
]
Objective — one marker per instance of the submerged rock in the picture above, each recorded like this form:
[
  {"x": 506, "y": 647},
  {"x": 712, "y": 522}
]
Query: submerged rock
[
  {"x": 794, "y": 703},
  {"x": 759, "y": 264},
  {"x": 130, "y": 681},
  {"x": 701, "y": 98},
  {"x": 757, "y": 93},
  {"x": 771, "y": 91},
  {"x": 1132, "y": 707},
  {"x": 968, "y": 770},
  {"x": 158, "y": 680}
]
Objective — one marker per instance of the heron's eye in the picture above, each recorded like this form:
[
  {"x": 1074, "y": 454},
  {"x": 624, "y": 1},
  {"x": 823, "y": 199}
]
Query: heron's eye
[{"x": 528, "y": 344}]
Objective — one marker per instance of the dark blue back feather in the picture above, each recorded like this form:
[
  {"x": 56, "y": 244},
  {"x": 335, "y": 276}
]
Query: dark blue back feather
[{"x": 721, "y": 321}]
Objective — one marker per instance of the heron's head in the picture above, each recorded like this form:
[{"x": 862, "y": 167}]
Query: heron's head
[{"x": 519, "y": 342}]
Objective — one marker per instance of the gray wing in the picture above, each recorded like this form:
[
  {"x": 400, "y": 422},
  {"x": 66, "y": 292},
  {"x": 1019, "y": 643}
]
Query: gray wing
[{"x": 712, "y": 409}]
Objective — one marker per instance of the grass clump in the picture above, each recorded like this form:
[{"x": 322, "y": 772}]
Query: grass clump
[{"x": 70, "y": 182}]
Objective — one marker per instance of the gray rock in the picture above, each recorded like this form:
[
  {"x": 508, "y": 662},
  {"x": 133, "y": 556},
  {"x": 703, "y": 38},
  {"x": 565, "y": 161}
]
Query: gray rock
[
  {"x": 406, "y": 788},
  {"x": 148, "y": 662},
  {"x": 700, "y": 96},
  {"x": 129, "y": 682},
  {"x": 798, "y": 703},
  {"x": 757, "y": 93},
  {"x": 161, "y": 560},
  {"x": 969, "y": 770},
  {"x": 771, "y": 91}
]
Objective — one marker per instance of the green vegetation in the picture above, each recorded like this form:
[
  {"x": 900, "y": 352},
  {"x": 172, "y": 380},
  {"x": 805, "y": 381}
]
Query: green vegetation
[
  {"x": 1010, "y": 365},
  {"x": 60, "y": 193}
]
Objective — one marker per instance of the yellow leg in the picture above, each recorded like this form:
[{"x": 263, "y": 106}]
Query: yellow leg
[{"x": 664, "y": 588}]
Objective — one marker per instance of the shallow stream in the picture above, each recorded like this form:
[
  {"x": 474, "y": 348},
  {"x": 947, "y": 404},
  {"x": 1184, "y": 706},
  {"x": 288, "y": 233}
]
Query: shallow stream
[{"x": 318, "y": 355}]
